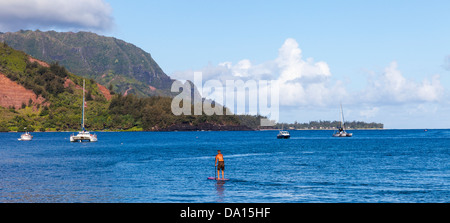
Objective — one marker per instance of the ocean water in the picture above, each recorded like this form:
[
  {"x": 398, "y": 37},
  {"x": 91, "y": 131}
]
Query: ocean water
[{"x": 163, "y": 167}]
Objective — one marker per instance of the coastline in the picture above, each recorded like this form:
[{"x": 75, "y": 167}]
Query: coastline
[{"x": 225, "y": 130}]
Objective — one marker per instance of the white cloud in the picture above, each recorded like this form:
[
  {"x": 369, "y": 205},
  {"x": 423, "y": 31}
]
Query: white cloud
[
  {"x": 307, "y": 86},
  {"x": 301, "y": 82},
  {"x": 43, "y": 14},
  {"x": 292, "y": 67},
  {"x": 392, "y": 87}
]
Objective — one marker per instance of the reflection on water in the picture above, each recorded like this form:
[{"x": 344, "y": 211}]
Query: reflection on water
[{"x": 220, "y": 188}]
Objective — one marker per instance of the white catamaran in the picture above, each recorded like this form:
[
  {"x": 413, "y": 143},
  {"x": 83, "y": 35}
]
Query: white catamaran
[
  {"x": 341, "y": 131},
  {"x": 83, "y": 135}
]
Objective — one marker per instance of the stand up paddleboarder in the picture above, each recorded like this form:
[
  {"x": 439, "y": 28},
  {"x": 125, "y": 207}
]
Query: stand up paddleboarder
[{"x": 220, "y": 165}]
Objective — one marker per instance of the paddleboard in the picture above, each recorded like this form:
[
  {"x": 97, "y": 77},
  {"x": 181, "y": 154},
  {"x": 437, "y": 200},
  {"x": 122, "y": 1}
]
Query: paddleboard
[{"x": 213, "y": 178}]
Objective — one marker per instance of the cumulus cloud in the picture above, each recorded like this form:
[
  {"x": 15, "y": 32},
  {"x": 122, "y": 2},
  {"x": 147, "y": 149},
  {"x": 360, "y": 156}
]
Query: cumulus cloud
[
  {"x": 308, "y": 84},
  {"x": 294, "y": 68},
  {"x": 392, "y": 87},
  {"x": 43, "y": 14},
  {"x": 301, "y": 81},
  {"x": 304, "y": 81}
]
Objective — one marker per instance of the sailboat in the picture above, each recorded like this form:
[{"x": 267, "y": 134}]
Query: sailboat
[
  {"x": 83, "y": 135},
  {"x": 341, "y": 131}
]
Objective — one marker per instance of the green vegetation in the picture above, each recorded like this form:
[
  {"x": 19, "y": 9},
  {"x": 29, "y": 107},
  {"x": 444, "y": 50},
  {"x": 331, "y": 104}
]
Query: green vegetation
[
  {"x": 107, "y": 60},
  {"x": 61, "y": 110},
  {"x": 330, "y": 125},
  {"x": 122, "y": 113},
  {"x": 154, "y": 113}
]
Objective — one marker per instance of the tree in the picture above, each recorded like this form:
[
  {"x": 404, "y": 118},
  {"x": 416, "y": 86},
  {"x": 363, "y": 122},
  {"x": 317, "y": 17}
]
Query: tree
[
  {"x": 89, "y": 96},
  {"x": 111, "y": 89}
]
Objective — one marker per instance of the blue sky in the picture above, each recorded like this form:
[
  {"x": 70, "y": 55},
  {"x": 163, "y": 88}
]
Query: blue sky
[
  {"x": 370, "y": 34},
  {"x": 388, "y": 61}
]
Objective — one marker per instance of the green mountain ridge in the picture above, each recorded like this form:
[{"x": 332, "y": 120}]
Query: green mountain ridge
[
  {"x": 117, "y": 65},
  {"x": 61, "y": 110},
  {"x": 107, "y": 60}
]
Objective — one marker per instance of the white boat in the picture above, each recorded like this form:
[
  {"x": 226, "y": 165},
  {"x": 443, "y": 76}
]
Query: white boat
[
  {"x": 283, "y": 135},
  {"x": 26, "y": 137},
  {"x": 83, "y": 135},
  {"x": 341, "y": 131}
]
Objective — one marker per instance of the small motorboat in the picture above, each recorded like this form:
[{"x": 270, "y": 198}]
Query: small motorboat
[
  {"x": 26, "y": 137},
  {"x": 283, "y": 135}
]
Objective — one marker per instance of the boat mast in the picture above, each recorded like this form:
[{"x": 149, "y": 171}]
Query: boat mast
[{"x": 82, "y": 119}]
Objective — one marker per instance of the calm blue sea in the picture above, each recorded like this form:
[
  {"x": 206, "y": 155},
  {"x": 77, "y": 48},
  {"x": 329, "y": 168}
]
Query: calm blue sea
[{"x": 372, "y": 166}]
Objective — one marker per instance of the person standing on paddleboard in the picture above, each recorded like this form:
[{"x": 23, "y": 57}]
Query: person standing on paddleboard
[{"x": 220, "y": 165}]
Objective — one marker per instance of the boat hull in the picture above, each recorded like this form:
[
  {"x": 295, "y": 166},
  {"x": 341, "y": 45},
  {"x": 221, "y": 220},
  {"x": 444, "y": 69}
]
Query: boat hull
[
  {"x": 83, "y": 137},
  {"x": 344, "y": 134},
  {"x": 82, "y": 140},
  {"x": 283, "y": 137},
  {"x": 26, "y": 137}
]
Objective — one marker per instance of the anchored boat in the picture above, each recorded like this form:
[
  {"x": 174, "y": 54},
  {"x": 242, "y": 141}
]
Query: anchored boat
[
  {"x": 341, "y": 131},
  {"x": 83, "y": 135},
  {"x": 283, "y": 135},
  {"x": 26, "y": 137}
]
